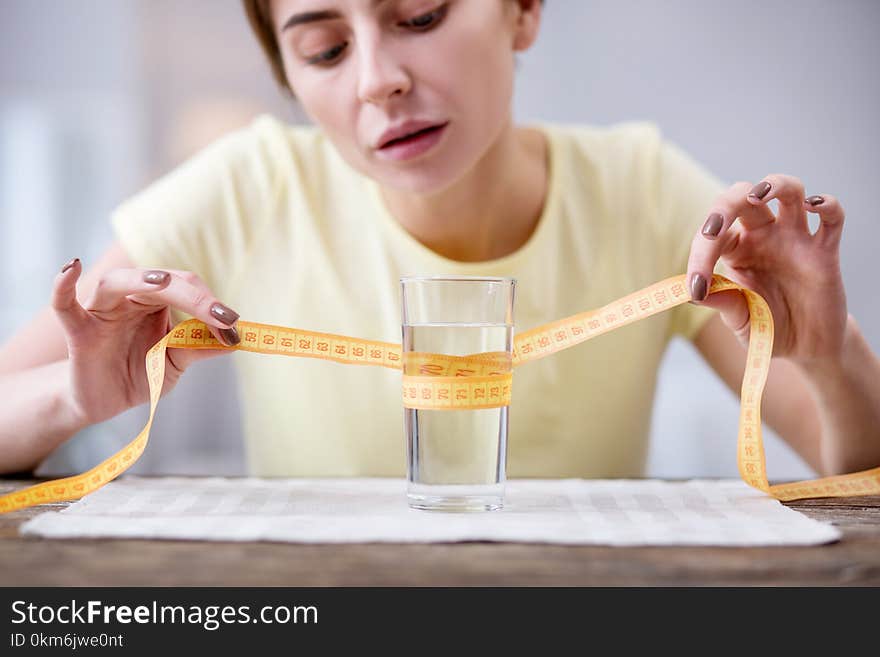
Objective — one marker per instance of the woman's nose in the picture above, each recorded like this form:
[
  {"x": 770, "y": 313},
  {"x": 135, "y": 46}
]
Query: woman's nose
[{"x": 381, "y": 75}]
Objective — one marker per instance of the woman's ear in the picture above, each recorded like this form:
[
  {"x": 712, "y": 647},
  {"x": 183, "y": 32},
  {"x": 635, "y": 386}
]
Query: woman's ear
[{"x": 528, "y": 20}]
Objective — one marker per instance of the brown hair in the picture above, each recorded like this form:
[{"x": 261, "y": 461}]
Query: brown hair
[{"x": 261, "y": 23}]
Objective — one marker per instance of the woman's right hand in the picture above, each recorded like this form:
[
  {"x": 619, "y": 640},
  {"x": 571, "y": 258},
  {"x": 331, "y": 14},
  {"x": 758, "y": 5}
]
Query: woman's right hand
[{"x": 108, "y": 336}]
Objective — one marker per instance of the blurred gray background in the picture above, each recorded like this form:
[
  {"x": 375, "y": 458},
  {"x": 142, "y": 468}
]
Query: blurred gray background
[{"x": 100, "y": 97}]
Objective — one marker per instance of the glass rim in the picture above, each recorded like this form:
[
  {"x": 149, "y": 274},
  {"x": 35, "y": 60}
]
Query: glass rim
[{"x": 457, "y": 278}]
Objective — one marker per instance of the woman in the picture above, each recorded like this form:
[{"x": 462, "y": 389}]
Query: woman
[{"x": 415, "y": 167}]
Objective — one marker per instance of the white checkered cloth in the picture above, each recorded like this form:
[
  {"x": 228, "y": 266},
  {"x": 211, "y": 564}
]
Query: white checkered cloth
[{"x": 562, "y": 511}]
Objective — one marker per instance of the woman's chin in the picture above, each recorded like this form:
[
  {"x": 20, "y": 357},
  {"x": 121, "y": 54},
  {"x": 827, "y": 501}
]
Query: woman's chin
[{"x": 416, "y": 180}]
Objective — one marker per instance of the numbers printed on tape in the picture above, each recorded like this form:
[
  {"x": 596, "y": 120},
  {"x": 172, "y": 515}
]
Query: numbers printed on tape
[
  {"x": 268, "y": 339},
  {"x": 450, "y": 393},
  {"x": 449, "y": 382}
]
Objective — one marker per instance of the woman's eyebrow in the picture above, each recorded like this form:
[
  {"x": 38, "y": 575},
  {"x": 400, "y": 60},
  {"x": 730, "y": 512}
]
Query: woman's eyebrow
[
  {"x": 310, "y": 17},
  {"x": 321, "y": 15}
]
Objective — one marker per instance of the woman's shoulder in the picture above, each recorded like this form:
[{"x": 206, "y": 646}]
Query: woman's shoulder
[
  {"x": 268, "y": 140},
  {"x": 619, "y": 158},
  {"x": 269, "y": 131},
  {"x": 292, "y": 153},
  {"x": 619, "y": 141},
  {"x": 257, "y": 159}
]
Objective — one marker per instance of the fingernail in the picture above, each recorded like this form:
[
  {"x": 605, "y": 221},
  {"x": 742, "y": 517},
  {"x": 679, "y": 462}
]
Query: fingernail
[
  {"x": 224, "y": 314},
  {"x": 713, "y": 225},
  {"x": 69, "y": 265},
  {"x": 155, "y": 277},
  {"x": 698, "y": 287},
  {"x": 229, "y": 336},
  {"x": 816, "y": 200},
  {"x": 760, "y": 190}
]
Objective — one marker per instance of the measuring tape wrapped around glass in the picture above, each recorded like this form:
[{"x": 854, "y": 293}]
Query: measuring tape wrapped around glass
[{"x": 447, "y": 382}]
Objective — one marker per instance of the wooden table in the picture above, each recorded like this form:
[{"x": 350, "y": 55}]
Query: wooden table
[{"x": 853, "y": 561}]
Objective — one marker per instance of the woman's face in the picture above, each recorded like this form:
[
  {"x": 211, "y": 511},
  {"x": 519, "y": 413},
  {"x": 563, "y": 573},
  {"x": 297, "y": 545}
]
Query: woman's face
[{"x": 441, "y": 72}]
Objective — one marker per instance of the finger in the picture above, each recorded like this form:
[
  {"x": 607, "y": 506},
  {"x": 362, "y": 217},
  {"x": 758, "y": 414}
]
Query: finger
[
  {"x": 714, "y": 238},
  {"x": 115, "y": 285},
  {"x": 195, "y": 280},
  {"x": 190, "y": 277},
  {"x": 64, "y": 302},
  {"x": 181, "y": 359},
  {"x": 730, "y": 205},
  {"x": 789, "y": 192},
  {"x": 187, "y": 292},
  {"x": 734, "y": 311},
  {"x": 161, "y": 288},
  {"x": 831, "y": 218}
]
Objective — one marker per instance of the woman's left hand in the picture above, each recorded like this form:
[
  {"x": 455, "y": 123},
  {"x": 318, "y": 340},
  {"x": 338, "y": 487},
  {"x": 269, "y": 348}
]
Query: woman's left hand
[{"x": 797, "y": 273}]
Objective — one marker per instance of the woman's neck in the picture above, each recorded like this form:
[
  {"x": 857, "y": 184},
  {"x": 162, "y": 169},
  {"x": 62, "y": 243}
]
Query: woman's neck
[{"x": 491, "y": 211}]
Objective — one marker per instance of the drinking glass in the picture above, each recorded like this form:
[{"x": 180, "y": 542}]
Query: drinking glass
[{"x": 456, "y": 459}]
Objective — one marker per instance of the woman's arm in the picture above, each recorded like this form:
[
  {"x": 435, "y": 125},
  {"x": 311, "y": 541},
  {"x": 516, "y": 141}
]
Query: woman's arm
[
  {"x": 37, "y": 415},
  {"x": 829, "y": 414}
]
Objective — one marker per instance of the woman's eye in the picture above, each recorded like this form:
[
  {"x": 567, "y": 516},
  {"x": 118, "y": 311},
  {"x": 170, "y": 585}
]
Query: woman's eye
[
  {"x": 426, "y": 21},
  {"x": 328, "y": 56},
  {"x": 421, "y": 23}
]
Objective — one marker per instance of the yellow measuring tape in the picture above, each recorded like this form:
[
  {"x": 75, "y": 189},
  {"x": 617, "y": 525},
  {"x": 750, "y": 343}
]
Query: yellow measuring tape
[{"x": 448, "y": 382}]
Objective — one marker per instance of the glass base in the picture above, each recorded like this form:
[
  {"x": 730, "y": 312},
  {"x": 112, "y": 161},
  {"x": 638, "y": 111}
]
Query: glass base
[{"x": 454, "y": 500}]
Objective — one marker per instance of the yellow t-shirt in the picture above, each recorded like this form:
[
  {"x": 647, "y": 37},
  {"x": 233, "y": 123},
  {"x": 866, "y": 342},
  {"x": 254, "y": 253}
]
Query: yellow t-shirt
[{"x": 285, "y": 232}]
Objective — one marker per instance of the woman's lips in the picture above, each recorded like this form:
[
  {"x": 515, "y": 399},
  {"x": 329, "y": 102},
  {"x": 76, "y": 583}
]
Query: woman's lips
[{"x": 408, "y": 148}]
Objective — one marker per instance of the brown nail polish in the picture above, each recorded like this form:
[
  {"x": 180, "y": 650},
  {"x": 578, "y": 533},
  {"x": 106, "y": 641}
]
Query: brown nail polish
[
  {"x": 155, "y": 277},
  {"x": 69, "y": 265},
  {"x": 816, "y": 200},
  {"x": 224, "y": 314},
  {"x": 760, "y": 190},
  {"x": 698, "y": 287},
  {"x": 229, "y": 336},
  {"x": 713, "y": 225}
]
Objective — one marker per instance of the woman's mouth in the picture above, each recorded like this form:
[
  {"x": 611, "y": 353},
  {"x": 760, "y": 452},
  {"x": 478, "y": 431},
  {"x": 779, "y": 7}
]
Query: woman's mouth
[{"x": 412, "y": 145}]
